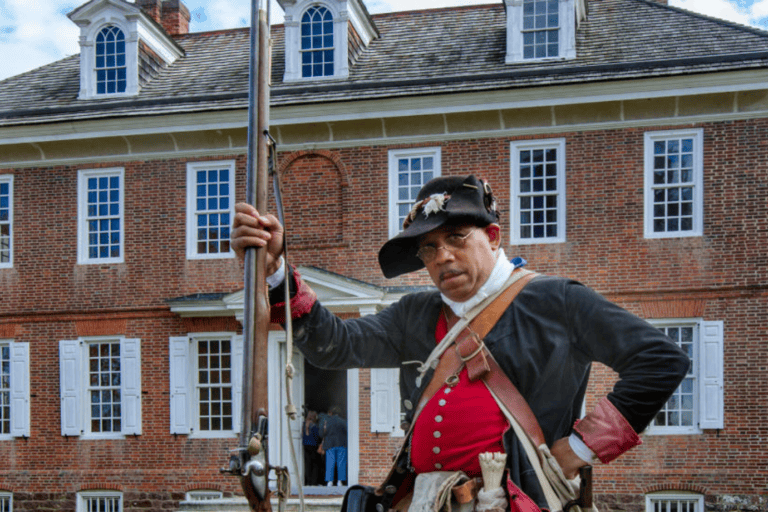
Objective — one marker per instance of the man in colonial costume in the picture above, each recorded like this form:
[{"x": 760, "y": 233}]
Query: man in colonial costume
[{"x": 544, "y": 342}]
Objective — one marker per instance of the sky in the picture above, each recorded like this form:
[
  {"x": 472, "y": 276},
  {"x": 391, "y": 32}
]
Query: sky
[{"x": 37, "y": 32}]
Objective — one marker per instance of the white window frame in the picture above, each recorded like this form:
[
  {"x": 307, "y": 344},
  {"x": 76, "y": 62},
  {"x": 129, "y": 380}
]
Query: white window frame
[
  {"x": 203, "y": 495},
  {"x": 82, "y": 214},
  {"x": 115, "y": 29},
  {"x": 192, "y": 211},
  {"x": 6, "y": 501},
  {"x": 88, "y": 34},
  {"x": 75, "y": 403},
  {"x": 19, "y": 391},
  {"x": 184, "y": 404},
  {"x": 292, "y": 22},
  {"x": 708, "y": 389},
  {"x": 395, "y": 226},
  {"x": 8, "y": 179},
  {"x": 566, "y": 39},
  {"x": 698, "y": 182},
  {"x": 664, "y": 496},
  {"x": 84, "y": 496},
  {"x": 515, "y": 228}
]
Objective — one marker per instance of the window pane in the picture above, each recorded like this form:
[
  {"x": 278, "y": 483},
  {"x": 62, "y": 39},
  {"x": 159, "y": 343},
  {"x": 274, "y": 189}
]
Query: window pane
[
  {"x": 537, "y": 184},
  {"x": 214, "y": 384},
  {"x": 103, "y": 216},
  {"x": 212, "y": 203},
  {"x": 412, "y": 173},
  {"x": 104, "y": 386}
]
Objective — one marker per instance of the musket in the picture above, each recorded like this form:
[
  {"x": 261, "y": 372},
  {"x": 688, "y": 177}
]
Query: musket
[{"x": 250, "y": 460}]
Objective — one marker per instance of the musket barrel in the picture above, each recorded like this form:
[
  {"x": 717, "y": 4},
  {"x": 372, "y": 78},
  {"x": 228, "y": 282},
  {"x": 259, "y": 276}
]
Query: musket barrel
[{"x": 256, "y": 317}]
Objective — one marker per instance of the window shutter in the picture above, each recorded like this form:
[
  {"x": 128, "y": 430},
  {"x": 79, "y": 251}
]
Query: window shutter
[
  {"x": 130, "y": 369},
  {"x": 20, "y": 389},
  {"x": 71, "y": 387},
  {"x": 711, "y": 375},
  {"x": 238, "y": 351},
  {"x": 385, "y": 400},
  {"x": 179, "y": 381}
]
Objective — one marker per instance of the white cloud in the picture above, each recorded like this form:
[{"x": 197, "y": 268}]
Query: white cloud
[
  {"x": 32, "y": 36},
  {"x": 723, "y": 9},
  {"x": 760, "y": 9}
]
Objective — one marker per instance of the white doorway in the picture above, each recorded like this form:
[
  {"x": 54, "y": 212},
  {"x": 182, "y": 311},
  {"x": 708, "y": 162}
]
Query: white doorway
[{"x": 311, "y": 387}]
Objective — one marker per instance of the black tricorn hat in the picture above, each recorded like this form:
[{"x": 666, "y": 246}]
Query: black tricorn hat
[{"x": 444, "y": 200}]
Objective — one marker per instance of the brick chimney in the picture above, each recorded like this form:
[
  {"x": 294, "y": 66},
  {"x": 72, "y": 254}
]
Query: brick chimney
[
  {"x": 175, "y": 17},
  {"x": 151, "y": 8}
]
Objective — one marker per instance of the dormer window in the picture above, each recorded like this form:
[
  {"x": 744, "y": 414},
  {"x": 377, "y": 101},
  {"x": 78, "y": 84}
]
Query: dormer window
[
  {"x": 111, "y": 71},
  {"x": 123, "y": 45},
  {"x": 541, "y": 30},
  {"x": 323, "y": 38},
  {"x": 317, "y": 42}
]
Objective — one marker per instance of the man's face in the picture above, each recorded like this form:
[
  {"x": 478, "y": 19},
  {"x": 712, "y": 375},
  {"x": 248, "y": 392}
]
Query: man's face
[{"x": 459, "y": 272}]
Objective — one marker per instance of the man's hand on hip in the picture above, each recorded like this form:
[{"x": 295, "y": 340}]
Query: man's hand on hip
[{"x": 569, "y": 462}]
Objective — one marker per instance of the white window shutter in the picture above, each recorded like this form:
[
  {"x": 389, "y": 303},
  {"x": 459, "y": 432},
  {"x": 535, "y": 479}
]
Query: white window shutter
[
  {"x": 70, "y": 356},
  {"x": 130, "y": 369},
  {"x": 385, "y": 400},
  {"x": 180, "y": 385},
  {"x": 711, "y": 396},
  {"x": 238, "y": 351},
  {"x": 20, "y": 389}
]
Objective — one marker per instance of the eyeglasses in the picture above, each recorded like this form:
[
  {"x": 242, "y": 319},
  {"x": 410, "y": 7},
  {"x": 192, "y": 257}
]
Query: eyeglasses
[{"x": 453, "y": 241}]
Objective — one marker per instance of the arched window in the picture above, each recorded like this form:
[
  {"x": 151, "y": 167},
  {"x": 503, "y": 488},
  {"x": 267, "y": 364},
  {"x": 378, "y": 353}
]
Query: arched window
[
  {"x": 317, "y": 42},
  {"x": 110, "y": 61}
]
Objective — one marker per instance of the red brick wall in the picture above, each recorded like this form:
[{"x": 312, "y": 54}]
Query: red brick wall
[{"x": 336, "y": 204}]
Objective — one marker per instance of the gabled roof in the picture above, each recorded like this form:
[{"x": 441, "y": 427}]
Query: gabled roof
[{"x": 418, "y": 53}]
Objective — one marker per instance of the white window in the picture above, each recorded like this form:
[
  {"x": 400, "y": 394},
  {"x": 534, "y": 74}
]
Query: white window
[
  {"x": 110, "y": 36},
  {"x": 99, "y": 501},
  {"x": 100, "y": 216},
  {"x": 6, "y": 221},
  {"x": 6, "y": 502},
  {"x": 385, "y": 401},
  {"x": 698, "y": 402},
  {"x": 210, "y": 208},
  {"x": 317, "y": 42},
  {"x": 14, "y": 389},
  {"x": 674, "y": 502},
  {"x": 540, "y": 30},
  {"x": 111, "y": 68},
  {"x": 317, "y": 38},
  {"x": 100, "y": 387},
  {"x": 204, "y": 495},
  {"x": 538, "y": 191},
  {"x": 674, "y": 194},
  {"x": 205, "y": 380},
  {"x": 409, "y": 170}
]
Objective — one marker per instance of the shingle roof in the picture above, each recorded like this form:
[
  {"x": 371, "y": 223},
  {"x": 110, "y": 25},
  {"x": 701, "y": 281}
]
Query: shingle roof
[{"x": 418, "y": 52}]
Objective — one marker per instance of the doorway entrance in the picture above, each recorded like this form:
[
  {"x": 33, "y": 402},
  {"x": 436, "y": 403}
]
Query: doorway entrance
[
  {"x": 311, "y": 388},
  {"x": 323, "y": 390}
]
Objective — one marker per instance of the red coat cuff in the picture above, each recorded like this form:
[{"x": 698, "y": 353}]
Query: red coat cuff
[
  {"x": 301, "y": 303},
  {"x": 606, "y": 432}
]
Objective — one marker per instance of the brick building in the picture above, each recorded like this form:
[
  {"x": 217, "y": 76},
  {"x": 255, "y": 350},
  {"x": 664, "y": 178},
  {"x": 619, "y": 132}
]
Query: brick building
[{"x": 627, "y": 141}]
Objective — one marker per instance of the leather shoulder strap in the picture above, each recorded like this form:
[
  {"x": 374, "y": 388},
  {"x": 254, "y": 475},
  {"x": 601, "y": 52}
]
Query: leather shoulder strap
[{"x": 482, "y": 324}]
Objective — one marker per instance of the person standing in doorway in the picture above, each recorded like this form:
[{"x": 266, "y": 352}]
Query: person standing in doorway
[
  {"x": 311, "y": 442},
  {"x": 334, "y": 432}
]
